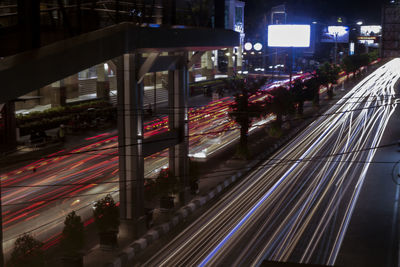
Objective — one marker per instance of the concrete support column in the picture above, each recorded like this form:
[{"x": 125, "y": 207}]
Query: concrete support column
[
  {"x": 191, "y": 71},
  {"x": 203, "y": 64},
  {"x": 72, "y": 86},
  {"x": 178, "y": 121},
  {"x": 8, "y": 137},
  {"x": 210, "y": 67},
  {"x": 58, "y": 94},
  {"x": 130, "y": 139},
  {"x": 207, "y": 65},
  {"x": 240, "y": 58},
  {"x": 230, "y": 61},
  {"x": 216, "y": 60},
  {"x": 102, "y": 84}
]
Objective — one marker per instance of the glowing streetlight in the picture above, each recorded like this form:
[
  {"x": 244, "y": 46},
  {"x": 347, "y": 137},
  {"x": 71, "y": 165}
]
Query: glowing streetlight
[
  {"x": 248, "y": 46},
  {"x": 258, "y": 46}
]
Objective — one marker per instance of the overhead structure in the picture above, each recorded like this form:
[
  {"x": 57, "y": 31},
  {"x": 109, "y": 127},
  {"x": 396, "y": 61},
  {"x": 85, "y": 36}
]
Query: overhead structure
[{"x": 135, "y": 52}]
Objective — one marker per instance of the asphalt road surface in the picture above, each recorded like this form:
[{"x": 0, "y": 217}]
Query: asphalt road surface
[{"x": 296, "y": 206}]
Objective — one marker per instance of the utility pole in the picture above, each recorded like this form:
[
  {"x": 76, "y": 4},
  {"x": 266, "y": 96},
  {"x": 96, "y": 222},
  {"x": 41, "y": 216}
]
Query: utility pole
[
  {"x": 335, "y": 56},
  {"x": 291, "y": 66},
  {"x": 155, "y": 92}
]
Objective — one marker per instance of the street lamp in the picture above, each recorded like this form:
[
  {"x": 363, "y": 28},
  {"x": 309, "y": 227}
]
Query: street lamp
[{"x": 336, "y": 31}]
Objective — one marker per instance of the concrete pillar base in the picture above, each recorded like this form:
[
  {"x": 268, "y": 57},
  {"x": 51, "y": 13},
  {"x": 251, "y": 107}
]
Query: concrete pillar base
[
  {"x": 103, "y": 90},
  {"x": 132, "y": 229},
  {"x": 58, "y": 96},
  {"x": 184, "y": 196}
]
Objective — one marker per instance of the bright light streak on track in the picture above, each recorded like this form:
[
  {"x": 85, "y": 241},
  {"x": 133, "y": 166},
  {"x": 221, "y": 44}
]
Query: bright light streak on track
[{"x": 298, "y": 211}]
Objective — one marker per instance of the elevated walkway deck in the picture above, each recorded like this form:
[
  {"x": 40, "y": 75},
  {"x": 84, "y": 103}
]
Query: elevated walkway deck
[{"x": 62, "y": 59}]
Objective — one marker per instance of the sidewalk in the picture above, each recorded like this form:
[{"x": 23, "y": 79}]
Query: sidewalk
[{"x": 372, "y": 238}]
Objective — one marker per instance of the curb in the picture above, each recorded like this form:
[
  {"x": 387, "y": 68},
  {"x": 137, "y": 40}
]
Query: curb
[{"x": 155, "y": 233}]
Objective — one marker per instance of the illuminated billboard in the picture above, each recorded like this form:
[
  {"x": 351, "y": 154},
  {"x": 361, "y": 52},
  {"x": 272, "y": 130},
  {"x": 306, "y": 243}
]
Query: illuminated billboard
[
  {"x": 285, "y": 35},
  {"x": 368, "y": 41},
  {"x": 371, "y": 31},
  {"x": 335, "y": 34}
]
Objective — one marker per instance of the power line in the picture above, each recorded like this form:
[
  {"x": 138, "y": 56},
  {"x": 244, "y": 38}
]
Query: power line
[
  {"x": 88, "y": 152},
  {"x": 271, "y": 162}
]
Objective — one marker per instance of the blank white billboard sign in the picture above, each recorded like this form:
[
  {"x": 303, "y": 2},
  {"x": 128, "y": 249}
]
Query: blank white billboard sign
[{"x": 285, "y": 35}]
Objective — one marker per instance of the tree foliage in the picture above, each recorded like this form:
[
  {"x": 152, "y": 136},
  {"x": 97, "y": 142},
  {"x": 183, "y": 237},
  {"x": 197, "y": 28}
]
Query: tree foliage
[
  {"x": 328, "y": 74},
  {"x": 27, "y": 252},
  {"x": 312, "y": 90},
  {"x": 354, "y": 62},
  {"x": 298, "y": 95},
  {"x": 150, "y": 189},
  {"x": 243, "y": 110},
  {"x": 73, "y": 236},
  {"x": 167, "y": 183},
  {"x": 106, "y": 214},
  {"x": 281, "y": 103}
]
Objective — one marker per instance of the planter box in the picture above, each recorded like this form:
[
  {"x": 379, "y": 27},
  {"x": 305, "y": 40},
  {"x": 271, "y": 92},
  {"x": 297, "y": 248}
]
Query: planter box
[
  {"x": 167, "y": 202},
  {"x": 72, "y": 261},
  {"x": 109, "y": 240},
  {"x": 194, "y": 188}
]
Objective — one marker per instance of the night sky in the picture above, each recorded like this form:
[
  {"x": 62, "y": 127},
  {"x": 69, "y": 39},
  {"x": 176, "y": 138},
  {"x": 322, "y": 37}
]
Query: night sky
[{"x": 352, "y": 10}]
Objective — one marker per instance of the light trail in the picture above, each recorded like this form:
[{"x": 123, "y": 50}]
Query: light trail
[
  {"x": 81, "y": 166},
  {"x": 296, "y": 212}
]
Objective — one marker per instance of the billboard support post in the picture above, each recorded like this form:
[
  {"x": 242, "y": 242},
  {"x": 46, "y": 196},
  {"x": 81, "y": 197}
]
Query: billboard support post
[
  {"x": 335, "y": 57},
  {"x": 291, "y": 66}
]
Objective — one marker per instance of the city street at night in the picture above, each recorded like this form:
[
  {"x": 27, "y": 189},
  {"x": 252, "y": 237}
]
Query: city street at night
[
  {"x": 278, "y": 212},
  {"x": 199, "y": 133}
]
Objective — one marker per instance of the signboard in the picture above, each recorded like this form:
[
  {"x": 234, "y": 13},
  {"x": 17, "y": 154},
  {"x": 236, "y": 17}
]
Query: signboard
[
  {"x": 368, "y": 42},
  {"x": 289, "y": 35},
  {"x": 338, "y": 34},
  {"x": 351, "y": 50},
  {"x": 371, "y": 31}
]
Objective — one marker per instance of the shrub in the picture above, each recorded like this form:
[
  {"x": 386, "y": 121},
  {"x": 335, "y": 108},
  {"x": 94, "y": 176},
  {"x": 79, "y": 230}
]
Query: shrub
[
  {"x": 150, "y": 189},
  {"x": 167, "y": 183},
  {"x": 27, "y": 252},
  {"x": 73, "y": 237},
  {"x": 106, "y": 214},
  {"x": 53, "y": 117}
]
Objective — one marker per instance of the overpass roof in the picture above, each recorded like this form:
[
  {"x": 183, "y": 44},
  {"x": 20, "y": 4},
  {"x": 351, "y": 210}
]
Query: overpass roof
[{"x": 28, "y": 71}]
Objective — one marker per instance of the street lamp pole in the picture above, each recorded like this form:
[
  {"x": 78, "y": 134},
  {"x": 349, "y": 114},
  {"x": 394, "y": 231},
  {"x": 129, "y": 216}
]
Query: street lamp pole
[
  {"x": 292, "y": 61},
  {"x": 335, "y": 57}
]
